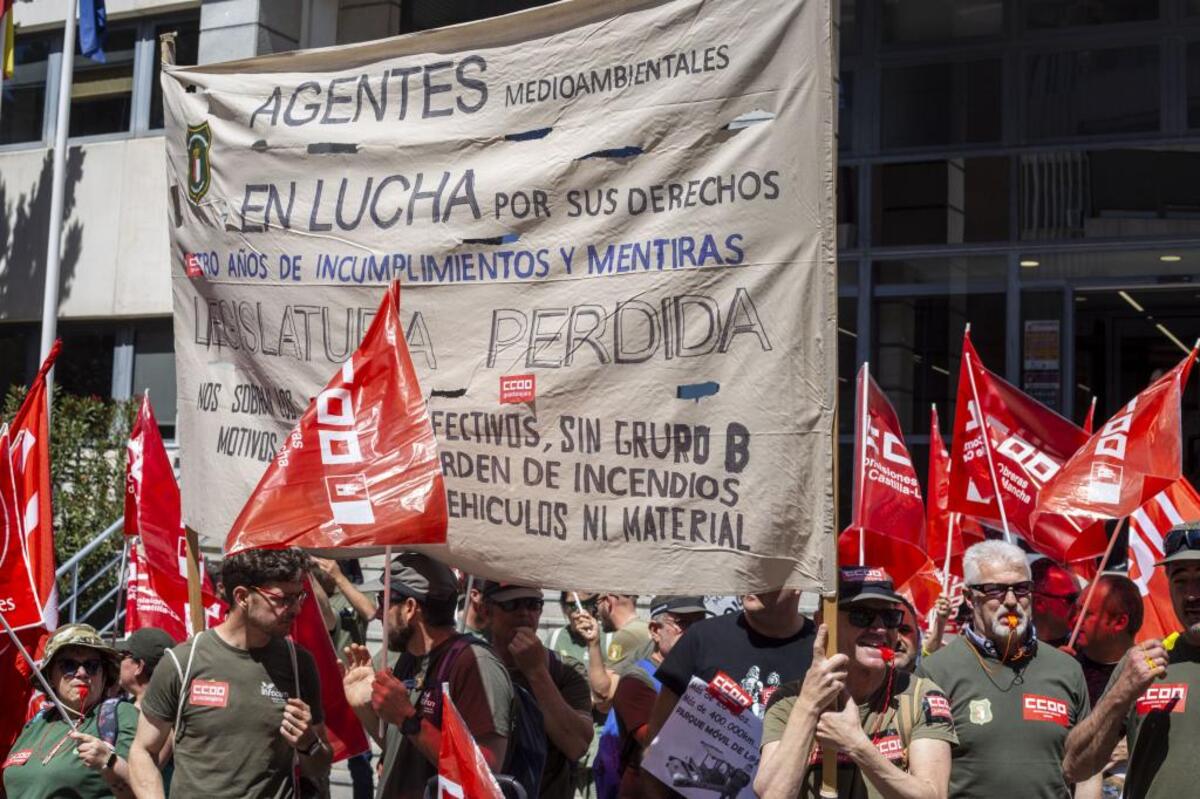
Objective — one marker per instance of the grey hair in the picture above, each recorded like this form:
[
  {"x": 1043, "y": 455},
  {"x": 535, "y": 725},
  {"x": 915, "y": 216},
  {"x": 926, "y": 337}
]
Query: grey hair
[{"x": 995, "y": 552}]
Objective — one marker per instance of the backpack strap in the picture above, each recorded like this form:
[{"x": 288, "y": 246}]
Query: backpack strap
[
  {"x": 908, "y": 712},
  {"x": 554, "y": 635},
  {"x": 296, "y": 684},
  {"x": 106, "y": 720},
  {"x": 184, "y": 676}
]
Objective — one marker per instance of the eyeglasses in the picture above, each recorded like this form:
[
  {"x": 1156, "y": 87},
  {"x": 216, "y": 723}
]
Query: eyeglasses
[
  {"x": 282, "y": 600},
  {"x": 1068, "y": 598},
  {"x": 1176, "y": 540},
  {"x": 1000, "y": 590},
  {"x": 525, "y": 603},
  {"x": 864, "y": 618},
  {"x": 71, "y": 666}
]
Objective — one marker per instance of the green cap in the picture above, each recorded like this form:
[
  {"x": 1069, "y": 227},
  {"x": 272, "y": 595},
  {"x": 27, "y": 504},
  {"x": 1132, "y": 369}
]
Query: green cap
[{"x": 84, "y": 635}]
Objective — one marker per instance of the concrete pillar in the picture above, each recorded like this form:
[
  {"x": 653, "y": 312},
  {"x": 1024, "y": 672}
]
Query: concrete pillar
[
  {"x": 232, "y": 29},
  {"x": 363, "y": 20}
]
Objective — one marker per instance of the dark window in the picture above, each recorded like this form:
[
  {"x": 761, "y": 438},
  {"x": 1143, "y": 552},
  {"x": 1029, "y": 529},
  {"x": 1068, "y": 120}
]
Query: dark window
[
  {"x": 420, "y": 15},
  {"x": 85, "y": 365},
  {"x": 846, "y": 111},
  {"x": 1193, "y": 84},
  {"x": 1092, "y": 92},
  {"x": 847, "y": 207},
  {"x": 939, "y": 104},
  {"x": 187, "y": 53},
  {"x": 906, "y": 22},
  {"x": 958, "y": 273},
  {"x": 23, "y": 108},
  {"x": 18, "y": 355},
  {"x": 847, "y": 343},
  {"x": 1043, "y": 14},
  {"x": 848, "y": 30},
  {"x": 102, "y": 93},
  {"x": 941, "y": 202},
  {"x": 154, "y": 369}
]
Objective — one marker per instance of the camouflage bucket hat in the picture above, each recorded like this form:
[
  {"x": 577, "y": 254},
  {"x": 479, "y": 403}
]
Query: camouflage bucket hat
[{"x": 84, "y": 635}]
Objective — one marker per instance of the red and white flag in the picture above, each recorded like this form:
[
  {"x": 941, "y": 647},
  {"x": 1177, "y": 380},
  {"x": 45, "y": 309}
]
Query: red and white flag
[
  {"x": 462, "y": 771},
  {"x": 887, "y": 528},
  {"x": 1007, "y": 446},
  {"x": 18, "y": 595},
  {"x": 346, "y": 734},
  {"x": 1134, "y": 456},
  {"x": 1148, "y": 526},
  {"x": 947, "y": 532},
  {"x": 361, "y": 466},
  {"x": 144, "y": 606},
  {"x": 30, "y": 432},
  {"x": 1089, "y": 421}
]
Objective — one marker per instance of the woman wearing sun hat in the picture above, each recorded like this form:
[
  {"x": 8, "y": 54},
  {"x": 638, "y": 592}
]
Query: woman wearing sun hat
[{"x": 49, "y": 758}]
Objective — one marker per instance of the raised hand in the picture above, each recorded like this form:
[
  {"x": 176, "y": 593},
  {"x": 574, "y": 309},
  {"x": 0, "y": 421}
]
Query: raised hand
[
  {"x": 841, "y": 729},
  {"x": 358, "y": 676},
  {"x": 826, "y": 677}
]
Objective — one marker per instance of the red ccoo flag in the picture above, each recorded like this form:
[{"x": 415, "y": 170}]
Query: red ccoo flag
[
  {"x": 361, "y": 466},
  {"x": 146, "y": 607},
  {"x": 1134, "y": 456},
  {"x": 462, "y": 771},
  {"x": 1005, "y": 438},
  {"x": 1148, "y": 526},
  {"x": 31, "y": 465},
  {"x": 18, "y": 595},
  {"x": 888, "y": 525},
  {"x": 947, "y": 533}
]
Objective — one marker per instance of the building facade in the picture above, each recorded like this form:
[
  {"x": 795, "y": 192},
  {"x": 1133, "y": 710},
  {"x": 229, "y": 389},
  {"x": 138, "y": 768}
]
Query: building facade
[{"x": 1030, "y": 167}]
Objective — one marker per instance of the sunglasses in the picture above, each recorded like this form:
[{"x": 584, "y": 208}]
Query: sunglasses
[
  {"x": 1000, "y": 590},
  {"x": 527, "y": 603},
  {"x": 70, "y": 666},
  {"x": 282, "y": 600},
  {"x": 1070, "y": 599},
  {"x": 1181, "y": 539},
  {"x": 864, "y": 618}
]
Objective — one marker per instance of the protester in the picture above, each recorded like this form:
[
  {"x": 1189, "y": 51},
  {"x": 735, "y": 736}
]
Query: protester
[
  {"x": 1014, "y": 698},
  {"x": 1054, "y": 595},
  {"x": 617, "y": 614},
  {"x": 140, "y": 654},
  {"x": 420, "y": 626},
  {"x": 765, "y": 645},
  {"x": 670, "y": 618},
  {"x": 941, "y": 617},
  {"x": 894, "y": 729},
  {"x": 475, "y": 618},
  {"x": 908, "y": 638},
  {"x": 1107, "y": 630},
  {"x": 1162, "y": 725},
  {"x": 559, "y": 687},
  {"x": 49, "y": 757},
  {"x": 243, "y": 702}
]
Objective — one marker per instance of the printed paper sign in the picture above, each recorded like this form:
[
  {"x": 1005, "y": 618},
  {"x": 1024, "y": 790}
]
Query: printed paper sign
[
  {"x": 705, "y": 749},
  {"x": 629, "y": 203}
]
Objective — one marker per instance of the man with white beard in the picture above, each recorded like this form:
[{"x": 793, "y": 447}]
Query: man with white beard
[{"x": 1014, "y": 700}]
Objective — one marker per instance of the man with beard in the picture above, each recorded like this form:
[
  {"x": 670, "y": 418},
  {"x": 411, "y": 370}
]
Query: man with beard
[
  {"x": 243, "y": 702},
  {"x": 617, "y": 615},
  {"x": 769, "y": 636},
  {"x": 1054, "y": 595},
  {"x": 420, "y": 626},
  {"x": 893, "y": 731},
  {"x": 1014, "y": 699},
  {"x": 559, "y": 687},
  {"x": 1149, "y": 693}
]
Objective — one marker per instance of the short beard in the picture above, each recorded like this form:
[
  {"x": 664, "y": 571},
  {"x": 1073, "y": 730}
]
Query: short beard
[
  {"x": 1001, "y": 630},
  {"x": 398, "y": 639}
]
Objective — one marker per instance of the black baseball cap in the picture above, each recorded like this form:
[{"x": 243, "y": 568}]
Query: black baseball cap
[
  {"x": 677, "y": 604},
  {"x": 418, "y": 576},
  {"x": 860, "y": 583},
  {"x": 148, "y": 645}
]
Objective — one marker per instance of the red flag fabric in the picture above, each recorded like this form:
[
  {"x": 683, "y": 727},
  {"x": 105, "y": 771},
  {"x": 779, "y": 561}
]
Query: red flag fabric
[
  {"x": 144, "y": 606},
  {"x": 943, "y": 526},
  {"x": 1148, "y": 526},
  {"x": 31, "y": 465},
  {"x": 1004, "y": 437},
  {"x": 1137, "y": 454},
  {"x": 361, "y": 466},
  {"x": 888, "y": 525},
  {"x": 18, "y": 687},
  {"x": 1089, "y": 421},
  {"x": 462, "y": 771},
  {"x": 18, "y": 596},
  {"x": 346, "y": 734}
]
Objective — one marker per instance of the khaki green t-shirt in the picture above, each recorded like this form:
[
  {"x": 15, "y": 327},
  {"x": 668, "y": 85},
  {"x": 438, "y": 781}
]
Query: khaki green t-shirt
[
  {"x": 926, "y": 714},
  {"x": 570, "y": 679},
  {"x": 1012, "y": 719},
  {"x": 63, "y": 774},
  {"x": 351, "y": 626},
  {"x": 1164, "y": 729},
  {"x": 228, "y": 742},
  {"x": 625, "y": 642}
]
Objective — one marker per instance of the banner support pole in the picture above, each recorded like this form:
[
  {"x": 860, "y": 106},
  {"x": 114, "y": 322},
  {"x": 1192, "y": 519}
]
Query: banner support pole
[
  {"x": 1087, "y": 600},
  {"x": 462, "y": 621},
  {"x": 121, "y": 583},
  {"x": 53, "y": 697},
  {"x": 863, "y": 432},
  {"x": 195, "y": 600}
]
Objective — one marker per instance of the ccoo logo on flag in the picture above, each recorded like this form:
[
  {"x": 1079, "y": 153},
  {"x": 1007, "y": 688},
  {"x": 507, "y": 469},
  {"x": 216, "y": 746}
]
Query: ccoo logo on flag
[
  {"x": 349, "y": 499},
  {"x": 1105, "y": 484}
]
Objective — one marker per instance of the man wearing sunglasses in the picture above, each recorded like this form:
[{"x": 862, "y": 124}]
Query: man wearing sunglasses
[
  {"x": 243, "y": 702},
  {"x": 1150, "y": 693},
  {"x": 1014, "y": 699},
  {"x": 559, "y": 687},
  {"x": 1054, "y": 594},
  {"x": 615, "y": 614},
  {"x": 893, "y": 731}
]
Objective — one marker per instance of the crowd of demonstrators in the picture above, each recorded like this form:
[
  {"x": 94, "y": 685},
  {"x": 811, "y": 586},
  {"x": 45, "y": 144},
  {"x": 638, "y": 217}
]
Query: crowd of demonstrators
[
  {"x": 242, "y": 702},
  {"x": 559, "y": 687},
  {"x": 420, "y": 628},
  {"x": 893, "y": 730},
  {"x": 637, "y": 690},
  {"x": 908, "y": 638},
  {"x": 1014, "y": 698},
  {"x": 1055, "y": 592},
  {"x": 86, "y": 754},
  {"x": 1148, "y": 694},
  {"x": 140, "y": 654},
  {"x": 475, "y": 620},
  {"x": 616, "y": 614}
]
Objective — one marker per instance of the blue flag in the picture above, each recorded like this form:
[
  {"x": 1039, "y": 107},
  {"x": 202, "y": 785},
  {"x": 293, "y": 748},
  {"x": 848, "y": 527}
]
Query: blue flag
[{"x": 93, "y": 29}]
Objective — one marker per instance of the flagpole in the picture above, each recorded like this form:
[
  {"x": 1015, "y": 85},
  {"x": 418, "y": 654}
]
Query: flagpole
[
  {"x": 1087, "y": 600},
  {"x": 864, "y": 431},
  {"x": 387, "y": 604},
  {"x": 462, "y": 622},
  {"x": 987, "y": 445},
  {"x": 62, "y": 125},
  {"x": 946, "y": 561},
  {"x": 120, "y": 587},
  {"x": 53, "y": 697}
]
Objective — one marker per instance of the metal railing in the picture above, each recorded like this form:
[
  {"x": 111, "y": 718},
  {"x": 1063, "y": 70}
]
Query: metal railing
[{"x": 68, "y": 605}]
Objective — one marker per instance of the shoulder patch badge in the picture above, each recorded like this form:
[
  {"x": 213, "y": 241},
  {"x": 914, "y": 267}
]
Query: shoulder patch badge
[
  {"x": 615, "y": 651},
  {"x": 199, "y": 143},
  {"x": 981, "y": 711}
]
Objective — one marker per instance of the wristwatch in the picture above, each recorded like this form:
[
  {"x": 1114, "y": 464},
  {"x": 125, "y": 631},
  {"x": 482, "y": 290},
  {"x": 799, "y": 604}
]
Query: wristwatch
[
  {"x": 411, "y": 725},
  {"x": 111, "y": 763}
]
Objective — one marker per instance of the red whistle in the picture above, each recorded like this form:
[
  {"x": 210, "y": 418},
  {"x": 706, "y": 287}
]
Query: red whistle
[
  {"x": 83, "y": 695},
  {"x": 887, "y": 653}
]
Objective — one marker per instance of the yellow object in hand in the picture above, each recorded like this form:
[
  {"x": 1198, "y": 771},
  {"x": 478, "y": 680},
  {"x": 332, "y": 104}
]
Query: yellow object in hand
[{"x": 1169, "y": 641}]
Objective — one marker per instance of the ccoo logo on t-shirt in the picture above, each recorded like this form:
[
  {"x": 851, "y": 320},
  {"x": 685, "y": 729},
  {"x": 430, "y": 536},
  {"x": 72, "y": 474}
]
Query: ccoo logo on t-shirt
[
  {"x": 1035, "y": 707},
  {"x": 209, "y": 693},
  {"x": 1167, "y": 696}
]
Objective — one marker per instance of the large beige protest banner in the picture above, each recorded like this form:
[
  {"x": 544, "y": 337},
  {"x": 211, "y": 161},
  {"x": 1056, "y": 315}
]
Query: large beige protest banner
[{"x": 613, "y": 224}]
